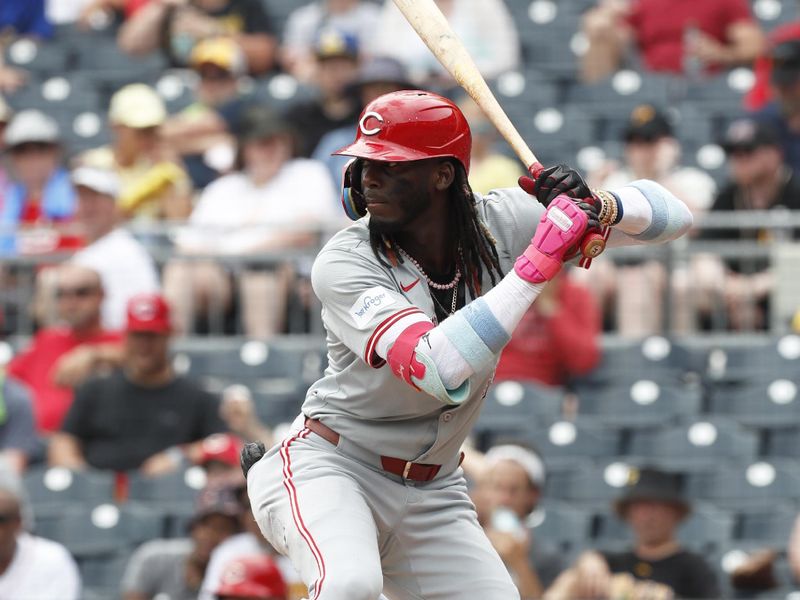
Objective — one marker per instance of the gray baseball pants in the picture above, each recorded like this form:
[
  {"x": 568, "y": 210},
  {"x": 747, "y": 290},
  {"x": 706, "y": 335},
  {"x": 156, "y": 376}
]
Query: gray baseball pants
[{"x": 353, "y": 531}]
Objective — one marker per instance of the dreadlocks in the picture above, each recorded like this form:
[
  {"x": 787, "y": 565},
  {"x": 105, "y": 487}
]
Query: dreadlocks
[{"x": 473, "y": 244}]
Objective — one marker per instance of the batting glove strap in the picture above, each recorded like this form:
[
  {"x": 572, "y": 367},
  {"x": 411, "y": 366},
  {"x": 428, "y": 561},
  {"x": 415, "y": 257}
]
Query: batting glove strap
[{"x": 559, "y": 229}]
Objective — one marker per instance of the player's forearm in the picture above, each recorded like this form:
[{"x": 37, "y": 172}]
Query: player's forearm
[{"x": 650, "y": 214}]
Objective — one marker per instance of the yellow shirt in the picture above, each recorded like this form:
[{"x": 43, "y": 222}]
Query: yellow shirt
[{"x": 494, "y": 172}]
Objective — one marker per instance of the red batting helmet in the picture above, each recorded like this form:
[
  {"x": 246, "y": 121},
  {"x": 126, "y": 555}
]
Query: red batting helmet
[
  {"x": 411, "y": 125},
  {"x": 400, "y": 127},
  {"x": 255, "y": 577}
]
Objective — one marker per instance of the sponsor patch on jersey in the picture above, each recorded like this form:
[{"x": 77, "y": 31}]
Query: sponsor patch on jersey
[{"x": 369, "y": 304}]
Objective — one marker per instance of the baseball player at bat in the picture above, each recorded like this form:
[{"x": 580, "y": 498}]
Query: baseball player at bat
[{"x": 419, "y": 297}]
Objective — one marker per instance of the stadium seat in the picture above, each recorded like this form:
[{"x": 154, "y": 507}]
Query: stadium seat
[
  {"x": 759, "y": 403},
  {"x": 756, "y": 360},
  {"x": 783, "y": 440},
  {"x": 513, "y": 407},
  {"x": 42, "y": 59},
  {"x": 771, "y": 525},
  {"x": 566, "y": 442},
  {"x": 97, "y": 531},
  {"x": 592, "y": 485},
  {"x": 101, "y": 576},
  {"x": 175, "y": 492},
  {"x": 641, "y": 403},
  {"x": 695, "y": 446},
  {"x": 51, "y": 490},
  {"x": 762, "y": 485},
  {"x": 567, "y": 526}
]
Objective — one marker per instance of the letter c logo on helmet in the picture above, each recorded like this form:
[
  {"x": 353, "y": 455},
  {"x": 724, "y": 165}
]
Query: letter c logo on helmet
[{"x": 406, "y": 126}]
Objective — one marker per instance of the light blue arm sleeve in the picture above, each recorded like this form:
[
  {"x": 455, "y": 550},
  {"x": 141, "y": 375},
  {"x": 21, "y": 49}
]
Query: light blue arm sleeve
[{"x": 671, "y": 218}]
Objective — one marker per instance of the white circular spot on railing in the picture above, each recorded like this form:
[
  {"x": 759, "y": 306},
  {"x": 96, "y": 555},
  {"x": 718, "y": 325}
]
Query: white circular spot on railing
[
  {"x": 56, "y": 89},
  {"x": 782, "y": 391},
  {"x": 741, "y": 80},
  {"x": 542, "y": 12},
  {"x": 195, "y": 478},
  {"x": 6, "y": 353},
  {"x": 793, "y": 596},
  {"x": 733, "y": 559},
  {"x": 22, "y": 51},
  {"x": 717, "y": 362},
  {"x": 509, "y": 393},
  {"x": 181, "y": 363},
  {"x": 656, "y": 348},
  {"x": 702, "y": 434},
  {"x": 789, "y": 347},
  {"x": 617, "y": 474},
  {"x": 767, "y": 10},
  {"x": 645, "y": 392},
  {"x": 511, "y": 84},
  {"x": 626, "y": 82},
  {"x": 282, "y": 87},
  {"x": 562, "y": 433},
  {"x": 87, "y": 124},
  {"x": 170, "y": 86},
  {"x": 579, "y": 44},
  {"x": 105, "y": 516},
  {"x": 549, "y": 120},
  {"x": 710, "y": 156},
  {"x": 590, "y": 158},
  {"x": 254, "y": 353},
  {"x": 760, "y": 474},
  {"x": 57, "y": 479}
]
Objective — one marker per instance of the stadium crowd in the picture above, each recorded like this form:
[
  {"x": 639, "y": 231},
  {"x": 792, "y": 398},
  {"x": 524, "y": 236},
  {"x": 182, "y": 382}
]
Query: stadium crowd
[{"x": 166, "y": 178}]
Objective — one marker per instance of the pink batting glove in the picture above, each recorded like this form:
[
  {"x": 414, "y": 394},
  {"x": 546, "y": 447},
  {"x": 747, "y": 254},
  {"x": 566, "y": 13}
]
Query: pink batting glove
[{"x": 561, "y": 227}]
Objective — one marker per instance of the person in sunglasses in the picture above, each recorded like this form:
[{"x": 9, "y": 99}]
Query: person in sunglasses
[{"x": 62, "y": 356}]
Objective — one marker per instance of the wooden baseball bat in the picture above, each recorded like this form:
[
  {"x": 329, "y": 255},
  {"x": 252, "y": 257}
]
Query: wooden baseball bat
[{"x": 432, "y": 27}]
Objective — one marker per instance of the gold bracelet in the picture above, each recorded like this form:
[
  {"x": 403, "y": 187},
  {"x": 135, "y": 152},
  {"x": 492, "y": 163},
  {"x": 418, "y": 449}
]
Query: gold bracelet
[{"x": 610, "y": 210}]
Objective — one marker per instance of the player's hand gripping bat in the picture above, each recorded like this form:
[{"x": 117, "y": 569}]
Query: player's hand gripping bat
[{"x": 432, "y": 27}]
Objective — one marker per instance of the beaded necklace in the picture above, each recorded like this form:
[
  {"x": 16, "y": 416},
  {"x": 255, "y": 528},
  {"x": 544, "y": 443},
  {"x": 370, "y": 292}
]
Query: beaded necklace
[{"x": 452, "y": 285}]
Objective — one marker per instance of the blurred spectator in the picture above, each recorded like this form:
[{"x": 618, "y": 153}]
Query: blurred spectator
[
  {"x": 239, "y": 413},
  {"x": 218, "y": 455},
  {"x": 653, "y": 506},
  {"x": 631, "y": 293},
  {"x": 31, "y": 567},
  {"x": 124, "y": 265},
  {"x": 5, "y": 116},
  {"x": 39, "y": 201},
  {"x": 376, "y": 76},
  {"x": 255, "y": 210},
  {"x": 252, "y": 578},
  {"x": 557, "y": 339},
  {"x": 174, "y": 568},
  {"x": 673, "y": 36},
  {"x": 176, "y": 26},
  {"x": 488, "y": 168},
  {"x": 200, "y": 132},
  {"x": 153, "y": 184},
  {"x": 509, "y": 489},
  {"x": 142, "y": 416},
  {"x": 485, "y": 27},
  {"x": 336, "y": 69},
  {"x": 18, "y": 441},
  {"x": 61, "y": 357},
  {"x": 356, "y": 18},
  {"x": 783, "y": 113},
  {"x": 20, "y": 18},
  {"x": 762, "y": 91},
  {"x": 758, "y": 181}
]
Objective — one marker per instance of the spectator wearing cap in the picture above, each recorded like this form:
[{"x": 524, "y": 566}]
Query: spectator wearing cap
[
  {"x": 141, "y": 416},
  {"x": 510, "y": 480},
  {"x": 376, "y": 76},
  {"x": 153, "y": 183},
  {"x": 759, "y": 180},
  {"x": 174, "y": 568},
  {"x": 123, "y": 263},
  {"x": 669, "y": 36},
  {"x": 62, "y": 356},
  {"x": 334, "y": 106},
  {"x": 31, "y": 567},
  {"x": 201, "y": 132},
  {"x": 783, "y": 113},
  {"x": 631, "y": 293},
  {"x": 358, "y": 18},
  {"x": 176, "y": 26},
  {"x": 656, "y": 566},
  {"x": 486, "y": 28},
  {"x": 255, "y": 210},
  {"x": 39, "y": 200},
  {"x": 252, "y": 578}
]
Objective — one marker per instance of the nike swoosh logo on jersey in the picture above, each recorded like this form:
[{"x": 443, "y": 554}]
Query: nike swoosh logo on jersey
[{"x": 407, "y": 288}]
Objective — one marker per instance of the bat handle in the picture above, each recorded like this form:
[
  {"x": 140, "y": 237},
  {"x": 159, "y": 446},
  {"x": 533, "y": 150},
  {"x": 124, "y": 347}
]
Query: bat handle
[{"x": 536, "y": 169}]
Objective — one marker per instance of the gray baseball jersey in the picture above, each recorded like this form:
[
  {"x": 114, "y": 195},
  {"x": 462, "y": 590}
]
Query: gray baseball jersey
[{"x": 358, "y": 396}]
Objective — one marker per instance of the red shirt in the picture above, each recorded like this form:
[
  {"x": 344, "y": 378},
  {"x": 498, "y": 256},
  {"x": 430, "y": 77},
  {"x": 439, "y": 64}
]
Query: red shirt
[
  {"x": 550, "y": 349},
  {"x": 659, "y": 26},
  {"x": 34, "y": 367}
]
